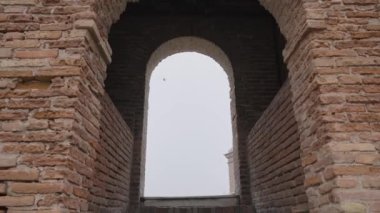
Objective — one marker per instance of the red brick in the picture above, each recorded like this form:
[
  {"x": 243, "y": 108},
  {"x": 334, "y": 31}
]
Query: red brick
[
  {"x": 3, "y": 188},
  {"x": 36, "y": 53},
  {"x": 80, "y": 192},
  {"x": 13, "y": 201},
  {"x": 368, "y": 158},
  {"x": 19, "y": 174},
  {"x": 371, "y": 182},
  {"x": 346, "y": 183},
  {"x": 314, "y": 180},
  {"x": 22, "y": 44},
  {"x": 36, "y": 188},
  {"x": 354, "y": 170},
  {"x": 54, "y": 114},
  {"x": 39, "y": 85},
  {"x": 347, "y": 147},
  {"x": 44, "y": 35},
  {"x": 23, "y": 148},
  {"x": 13, "y": 126},
  {"x": 28, "y": 104},
  {"x": 12, "y": 115}
]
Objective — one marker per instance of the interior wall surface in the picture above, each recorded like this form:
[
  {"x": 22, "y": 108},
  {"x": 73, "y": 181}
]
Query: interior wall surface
[
  {"x": 112, "y": 169},
  {"x": 274, "y": 150},
  {"x": 253, "y": 55}
]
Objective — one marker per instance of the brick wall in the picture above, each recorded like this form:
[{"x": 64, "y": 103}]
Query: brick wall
[
  {"x": 51, "y": 76},
  {"x": 253, "y": 55},
  {"x": 110, "y": 191},
  {"x": 54, "y": 56},
  {"x": 334, "y": 68},
  {"x": 277, "y": 177}
]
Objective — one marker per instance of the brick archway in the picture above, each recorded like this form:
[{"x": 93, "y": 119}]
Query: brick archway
[
  {"x": 258, "y": 71},
  {"x": 57, "y": 147},
  {"x": 189, "y": 44}
]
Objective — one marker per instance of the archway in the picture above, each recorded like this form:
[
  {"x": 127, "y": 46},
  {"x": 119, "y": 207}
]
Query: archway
[
  {"x": 209, "y": 53},
  {"x": 332, "y": 68},
  {"x": 254, "y": 54},
  {"x": 189, "y": 128}
]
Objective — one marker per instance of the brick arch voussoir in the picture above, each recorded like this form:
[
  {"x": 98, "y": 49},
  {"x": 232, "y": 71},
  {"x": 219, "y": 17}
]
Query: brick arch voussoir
[{"x": 294, "y": 21}]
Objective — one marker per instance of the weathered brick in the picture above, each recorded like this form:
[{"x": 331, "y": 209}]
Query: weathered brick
[
  {"x": 23, "y": 63},
  {"x": 368, "y": 158},
  {"x": 13, "y": 201},
  {"x": 19, "y": 174},
  {"x": 28, "y": 103},
  {"x": 18, "y": 2},
  {"x": 359, "y": 2},
  {"x": 364, "y": 117},
  {"x": 54, "y": 114},
  {"x": 349, "y": 127},
  {"x": 50, "y": 160},
  {"x": 22, "y": 44},
  {"x": 354, "y": 207},
  {"x": 8, "y": 160},
  {"x": 371, "y": 182},
  {"x": 346, "y": 147},
  {"x": 15, "y": 9},
  {"x": 80, "y": 192},
  {"x": 35, "y": 136},
  {"x": 23, "y": 148},
  {"x": 346, "y": 183},
  {"x": 48, "y": 35},
  {"x": 11, "y": 115},
  {"x": 364, "y": 195},
  {"x": 314, "y": 180},
  {"x": 348, "y": 170},
  {"x": 3, "y": 188},
  {"x": 36, "y": 53},
  {"x": 12, "y": 126},
  {"x": 56, "y": 26},
  {"x": 37, "y": 124},
  {"x": 5, "y": 52},
  {"x": 36, "y": 188},
  {"x": 38, "y": 85}
]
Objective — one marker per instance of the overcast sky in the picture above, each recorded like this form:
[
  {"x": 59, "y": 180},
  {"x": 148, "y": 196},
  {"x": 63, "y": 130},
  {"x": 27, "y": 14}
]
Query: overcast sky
[{"x": 189, "y": 128}]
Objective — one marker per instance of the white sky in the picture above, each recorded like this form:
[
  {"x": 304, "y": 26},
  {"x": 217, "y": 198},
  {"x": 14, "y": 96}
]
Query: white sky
[{"x": 189, "y": 128}]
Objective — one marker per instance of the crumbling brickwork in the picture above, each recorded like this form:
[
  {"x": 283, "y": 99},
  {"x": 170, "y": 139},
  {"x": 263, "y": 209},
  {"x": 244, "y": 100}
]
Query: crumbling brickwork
[
  {"x": 333, "y": 64},
  {"x": 52, "y": 68},
  {"x": 53, "y": 61}
]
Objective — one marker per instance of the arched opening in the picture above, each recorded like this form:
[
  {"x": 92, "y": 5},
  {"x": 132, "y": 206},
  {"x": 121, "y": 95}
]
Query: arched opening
[
  {"x": 216, "y": 84},
  {"x": 252, "y": 59},
  {"x": 189, "y": 128}
]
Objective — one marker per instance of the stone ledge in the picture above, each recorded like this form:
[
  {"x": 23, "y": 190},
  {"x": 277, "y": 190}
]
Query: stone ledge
[
  {"x": 202, "y": 201},
  {"x": 95, "y": 39}
]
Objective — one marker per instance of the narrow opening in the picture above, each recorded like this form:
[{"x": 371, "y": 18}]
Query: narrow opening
[{"x": 189, "y": 128}]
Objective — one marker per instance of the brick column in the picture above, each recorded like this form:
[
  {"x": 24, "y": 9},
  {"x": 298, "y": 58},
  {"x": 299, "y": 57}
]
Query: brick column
[
  {"x": 53, "y": 61},
  {"x": 333, "y": 58}
]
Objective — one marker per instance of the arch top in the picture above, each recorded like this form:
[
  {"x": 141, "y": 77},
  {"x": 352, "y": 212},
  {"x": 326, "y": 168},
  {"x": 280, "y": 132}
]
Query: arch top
[{"x": 190, "y": 44}]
